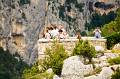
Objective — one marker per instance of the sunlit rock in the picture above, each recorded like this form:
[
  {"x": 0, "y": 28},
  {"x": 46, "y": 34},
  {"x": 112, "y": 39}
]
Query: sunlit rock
[{"x": 73, "y": 68}]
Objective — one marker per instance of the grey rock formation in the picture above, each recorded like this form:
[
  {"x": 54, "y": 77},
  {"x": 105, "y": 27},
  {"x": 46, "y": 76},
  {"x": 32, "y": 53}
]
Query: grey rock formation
[
  {"x": 56, "y": 77},
  {"x": 102, "y": 61},
  {"x": 116, "y": 47},
  {"x": 71, "y": 14},
  {"x": 104, "y": 74},
  {"x": 73, "y": 68},
  {"x": 50, "y": 71},
  {"x": 22, "y": 17}
]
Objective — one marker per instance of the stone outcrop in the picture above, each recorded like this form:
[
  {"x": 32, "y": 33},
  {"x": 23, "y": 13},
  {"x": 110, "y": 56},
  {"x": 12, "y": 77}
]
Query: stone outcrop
[
  {"x": 104, "y": 74},
  {"x": 117, "y": 47},
  {"x": 102, "y": 61},
  {"x": 56, "y": 77},
  {"x": 73, "y": 68}
]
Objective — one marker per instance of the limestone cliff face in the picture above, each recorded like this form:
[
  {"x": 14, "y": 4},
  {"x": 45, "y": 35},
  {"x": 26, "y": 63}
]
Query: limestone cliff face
[
  {"x": 70, "y": 13},
  {"x": 73, "y": 14},
  {"x": 20, "y": 24},
  {"x": 21, "y": 21}
]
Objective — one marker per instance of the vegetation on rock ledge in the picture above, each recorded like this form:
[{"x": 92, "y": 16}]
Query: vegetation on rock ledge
[
  {"x": 10, "y": 67},
  {"x": 84, "y": 49},
  {"x": 55, "y": 55}
]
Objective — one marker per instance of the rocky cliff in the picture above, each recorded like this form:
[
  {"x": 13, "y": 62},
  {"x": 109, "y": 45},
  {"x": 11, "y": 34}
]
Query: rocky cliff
[
  {"x": 22, "y": 21},
  {"x": 20, "y": 24},
  {"x": 74, "y": 14}
]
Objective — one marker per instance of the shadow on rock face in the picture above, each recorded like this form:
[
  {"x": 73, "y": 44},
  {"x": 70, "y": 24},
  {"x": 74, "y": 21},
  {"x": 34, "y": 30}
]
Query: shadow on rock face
[{"x": 104, "y": 6}]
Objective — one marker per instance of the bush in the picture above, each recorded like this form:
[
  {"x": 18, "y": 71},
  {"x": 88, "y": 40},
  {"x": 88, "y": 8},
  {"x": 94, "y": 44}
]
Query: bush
[
  {"x": 110, "y": 28},
  {"x": 114, "y": 61},
  {"x": 116, "y": 75},
  {"x": 83, "y": 33},
  {"x": 29, "y": 72},
  {"x": 10, "y": 67},
  {"x": 55, "y": 56},
  {"x": 116, "y": 51},
  {"x": 85, "y": 49},
  {"x": 34, "y": 73},
  {"x": 112, "y": 31},
  {"x": 113, "y": 39}
]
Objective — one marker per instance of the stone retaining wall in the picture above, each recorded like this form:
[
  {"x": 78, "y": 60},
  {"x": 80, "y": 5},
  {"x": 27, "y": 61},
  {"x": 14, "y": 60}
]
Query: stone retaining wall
[{"x": 69, "y": 44}]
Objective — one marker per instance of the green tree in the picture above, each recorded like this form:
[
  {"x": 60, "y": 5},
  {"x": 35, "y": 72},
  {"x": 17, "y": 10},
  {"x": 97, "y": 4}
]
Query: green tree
[
  {"x": 10, "y": 67},
  {"x": 112, "y": 31},
  {"x": 109, "y": 29},
  {"x": 113, "y": 39},
  {"x": 56, "y": 54},
  {"x": 85, "y": 49},
  {"x": 113, "y": 26}
]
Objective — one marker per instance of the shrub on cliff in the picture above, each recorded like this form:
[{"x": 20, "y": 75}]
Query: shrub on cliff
[
  {"x": 56, "y": 54},
  {"x": 114, "y": 61},
  {"x": 35, "y": 73},
  {"x": 85, "y": 49},
  {"x": 116, "y": 75},
  {"x": 112, "y": 31},
  {"x": 113, "y": 39},
  {"x": 10, "y": 67},
  {"x": 110, "y": 28}
]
